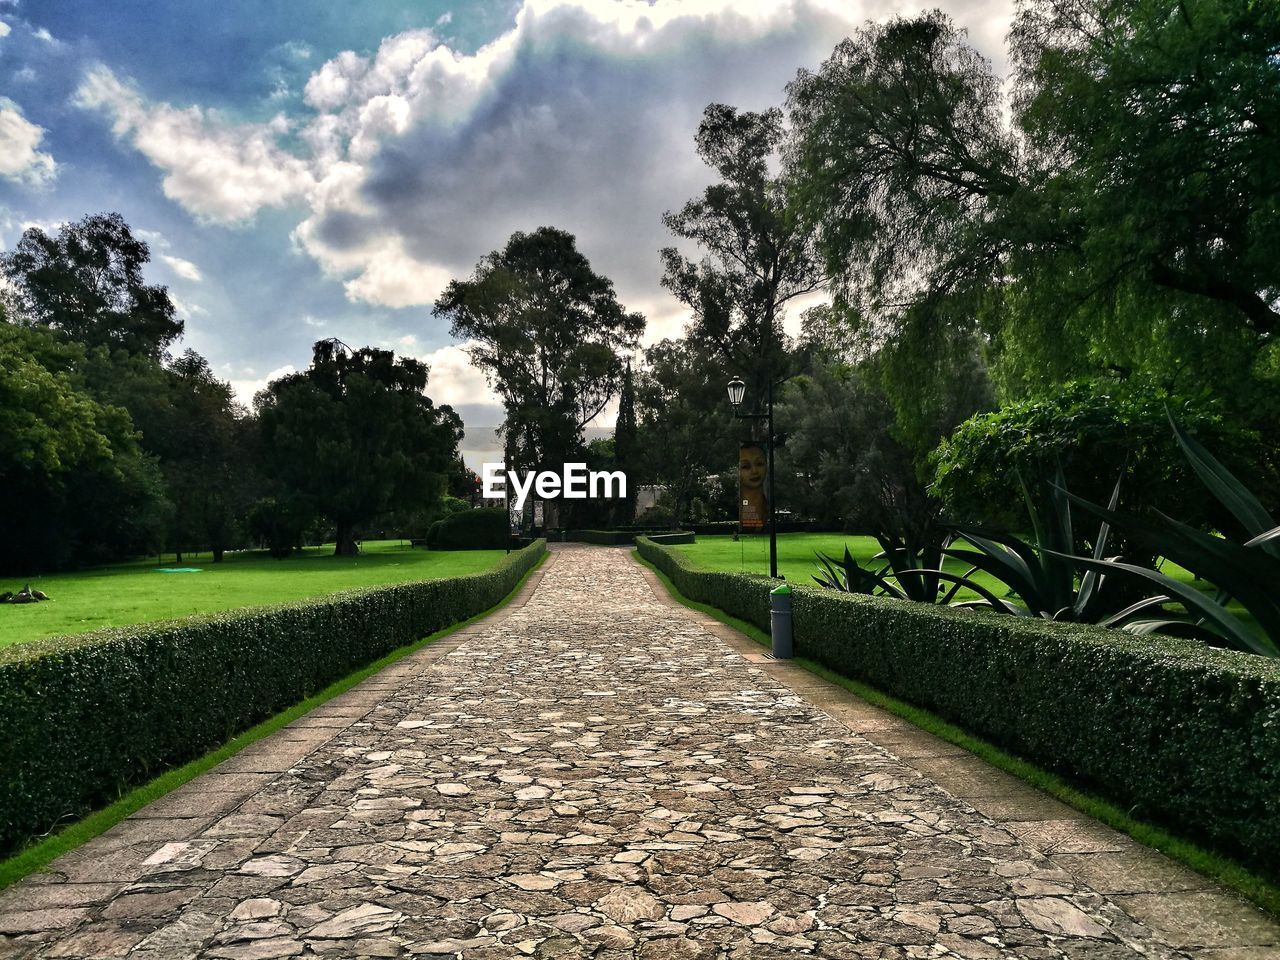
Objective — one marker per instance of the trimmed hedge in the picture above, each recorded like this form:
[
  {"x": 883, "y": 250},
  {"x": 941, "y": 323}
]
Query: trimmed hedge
[
  {"x": 613, "y": 538},
  {"x": 1180, "y": 733},
  {"x": 671, "y": 539},
  {"x": 484, "y": 528},
  {"x": 606, "y": 538},
  {"x": 86, "y": 717}
]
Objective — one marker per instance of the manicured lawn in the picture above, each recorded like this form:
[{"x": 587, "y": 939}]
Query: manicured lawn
[
  {"x": 797, "y": 560},
  {"x": 138, "y": 593}
]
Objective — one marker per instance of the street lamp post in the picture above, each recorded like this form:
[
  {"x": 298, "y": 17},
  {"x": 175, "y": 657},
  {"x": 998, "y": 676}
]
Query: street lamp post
[{"x": 738, "y": 390}]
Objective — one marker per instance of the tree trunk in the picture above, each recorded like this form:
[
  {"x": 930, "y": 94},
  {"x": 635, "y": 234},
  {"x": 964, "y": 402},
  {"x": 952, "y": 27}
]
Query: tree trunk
[
  {"x": 346, "y": 545},
  {"x": 177, "y": 555},
  {"x": 217, "y": 554}
]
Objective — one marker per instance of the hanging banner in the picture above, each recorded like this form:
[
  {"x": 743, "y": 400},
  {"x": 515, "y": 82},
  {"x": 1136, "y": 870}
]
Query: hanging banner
[{"x": 753, "y": 472}]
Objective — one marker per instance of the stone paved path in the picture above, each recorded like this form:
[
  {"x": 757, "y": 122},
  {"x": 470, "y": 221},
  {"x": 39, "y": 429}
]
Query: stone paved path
[{"x": 597, "y": 772}]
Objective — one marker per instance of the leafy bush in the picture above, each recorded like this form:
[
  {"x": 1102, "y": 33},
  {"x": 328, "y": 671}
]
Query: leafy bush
[
  {"x": 1096, "y": 434},
  {"x": 414, "y": 523},
  {"x": 659, "y": 516},
  {"x": 486, "y": 528},
  {"x": 86, "y": 717},
  {"x": 278, "y": 523},
  {"x": 1183, "y": 734}
]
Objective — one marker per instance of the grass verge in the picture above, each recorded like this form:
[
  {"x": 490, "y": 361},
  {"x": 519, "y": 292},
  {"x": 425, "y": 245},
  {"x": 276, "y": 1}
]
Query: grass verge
[
  {"x": 140, "y": 591},
  {"x": 1226, "y": 872},
  {"x": 44, "y": 851}
]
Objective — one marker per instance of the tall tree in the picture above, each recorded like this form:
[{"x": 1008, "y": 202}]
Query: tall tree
[
  {"x": 87, "y": 280},
  {"x": 686, "y": 432},
  {"x": 355, "y": 434},
  {"x": 550, "y": 335},
  {"x": 76, "y": 486},
  {"x": 1126, "y": 218},
  {"x": 754, "y": 256},
  {"x": 202, "y": 452},
  {"x": 626, "y": 441},
  {"x": 843, "y": 462}
]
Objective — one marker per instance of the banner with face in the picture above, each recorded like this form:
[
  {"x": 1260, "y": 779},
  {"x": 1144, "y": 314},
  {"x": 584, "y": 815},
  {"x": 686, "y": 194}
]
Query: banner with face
[{"x": 753, "y": 471}]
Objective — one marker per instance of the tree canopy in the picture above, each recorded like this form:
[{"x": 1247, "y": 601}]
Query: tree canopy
[
  {"x": 355, "y": 435},
  {"x": 77, "y": 486},
  {"x": 551, "y": 336},
  {"x": 1122, "y": 212},
  {"x": 686, "y": 432},
  {"x": 87, "y": 280},
  {"x": 755, "y": 257}
]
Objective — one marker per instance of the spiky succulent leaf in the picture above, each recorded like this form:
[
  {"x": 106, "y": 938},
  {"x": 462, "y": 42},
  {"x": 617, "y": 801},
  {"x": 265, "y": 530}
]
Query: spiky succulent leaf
[{"x": 1229, "y": 491}]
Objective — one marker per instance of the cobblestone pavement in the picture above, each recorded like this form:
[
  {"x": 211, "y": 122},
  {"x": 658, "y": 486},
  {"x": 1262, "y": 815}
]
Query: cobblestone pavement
[{"x": 594, "y": 773}]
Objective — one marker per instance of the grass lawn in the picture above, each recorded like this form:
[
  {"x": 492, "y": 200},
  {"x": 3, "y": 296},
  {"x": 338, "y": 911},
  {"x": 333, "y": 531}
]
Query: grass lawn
[
  {"x": 797, "y": 560},
  {"x": 137, "y": 592}
]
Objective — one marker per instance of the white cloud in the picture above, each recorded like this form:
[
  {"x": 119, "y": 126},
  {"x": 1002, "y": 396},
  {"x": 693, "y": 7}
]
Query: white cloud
[
  {"x": 417, "y": 159},
  {"x": 5, "y": 29},
  {"x": 244, "y": 382},
  {"x": 582, "y": 116},
  {"x": 185, "y": 308},
  {"x": 453, "y": 380},
  {"x": 217, "y": 169},
  {"x": 20, "y": 158},
  {"x": 183, "y": 268}
]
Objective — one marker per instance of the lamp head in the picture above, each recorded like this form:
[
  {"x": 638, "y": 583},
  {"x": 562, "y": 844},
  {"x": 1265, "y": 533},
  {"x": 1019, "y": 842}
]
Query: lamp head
[{"x": 737, "y": 390}]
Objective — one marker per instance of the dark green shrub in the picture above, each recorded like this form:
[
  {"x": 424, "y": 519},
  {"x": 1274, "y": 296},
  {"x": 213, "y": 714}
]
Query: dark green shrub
[
  {"x": 608, "y": 538},
  {"x": 485, "y": 528},
  {"x": 1096, "y": 432},
  {"x": 278, "y": 524},
  {"x": 1180, "y": 733},
  {"x": 87, "y": 717},
  {"x": 623, "y": 536}
]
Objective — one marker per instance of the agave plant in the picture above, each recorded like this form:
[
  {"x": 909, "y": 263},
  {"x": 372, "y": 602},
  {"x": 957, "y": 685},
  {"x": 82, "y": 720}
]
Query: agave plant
[
  {"x": 909, "y": 571},
  {"x": 1247, "y": 571},
  {"x": 1042, "y": 574}
]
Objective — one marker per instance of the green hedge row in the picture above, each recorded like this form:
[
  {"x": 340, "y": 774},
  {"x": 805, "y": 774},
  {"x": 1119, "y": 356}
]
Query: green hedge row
[
  {"x": 484, "y": 528},
  {"x": 85, "y": 717},
  {"x": 671, "y": 539},
  {"x": 613, "y": 538},
  {"x": 1179, "y": 733},
  {"x": 606, "y": 538}
]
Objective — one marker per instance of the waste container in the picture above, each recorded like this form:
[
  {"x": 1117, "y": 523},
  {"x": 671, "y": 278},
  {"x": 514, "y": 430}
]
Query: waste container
[{"x": 780, "y": 622}]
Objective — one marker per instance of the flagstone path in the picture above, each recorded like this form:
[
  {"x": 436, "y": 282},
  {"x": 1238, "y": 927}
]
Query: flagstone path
[{"x": 596, "y": 771}]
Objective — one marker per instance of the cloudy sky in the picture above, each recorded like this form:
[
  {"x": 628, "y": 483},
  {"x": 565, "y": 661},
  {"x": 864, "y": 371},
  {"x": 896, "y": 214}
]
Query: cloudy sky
[{"x": 305, "y": 169}]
